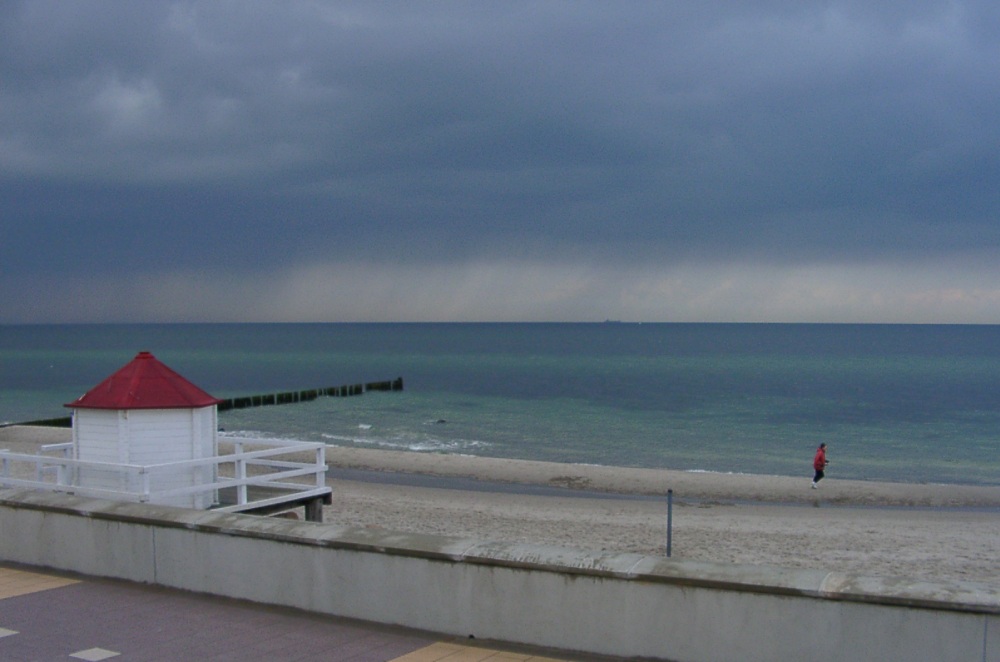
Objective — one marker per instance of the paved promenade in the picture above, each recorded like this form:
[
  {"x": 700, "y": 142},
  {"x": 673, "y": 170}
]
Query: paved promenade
[{"x": 46, "y": 617}]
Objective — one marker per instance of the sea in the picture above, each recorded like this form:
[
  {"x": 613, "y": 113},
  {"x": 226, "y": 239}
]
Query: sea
[{"x": 905, "y": 403}]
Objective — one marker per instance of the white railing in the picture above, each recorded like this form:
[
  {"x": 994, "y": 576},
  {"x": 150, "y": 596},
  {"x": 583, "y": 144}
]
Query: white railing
[{"x": 263, "y": 468}]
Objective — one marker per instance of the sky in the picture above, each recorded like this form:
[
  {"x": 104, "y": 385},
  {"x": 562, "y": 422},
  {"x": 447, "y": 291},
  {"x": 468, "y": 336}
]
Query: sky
[{"x": 311, "y": 161}]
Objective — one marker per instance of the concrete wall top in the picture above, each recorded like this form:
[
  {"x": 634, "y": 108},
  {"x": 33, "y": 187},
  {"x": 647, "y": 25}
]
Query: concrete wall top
[{"x": 897, "y": 591}]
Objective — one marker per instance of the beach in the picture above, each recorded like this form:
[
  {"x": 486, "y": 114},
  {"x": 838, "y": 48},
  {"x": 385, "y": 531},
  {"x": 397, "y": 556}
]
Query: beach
[
  {"x": 935, "y": 533},
  {"x": 926, "y": 532}
]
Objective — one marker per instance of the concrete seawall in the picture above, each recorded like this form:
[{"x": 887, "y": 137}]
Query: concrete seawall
[{"x": 615, "y": 604}]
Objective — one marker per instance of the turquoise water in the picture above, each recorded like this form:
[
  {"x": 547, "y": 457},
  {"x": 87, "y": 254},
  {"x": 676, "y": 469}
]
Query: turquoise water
[{"x": 893, "y": 402}]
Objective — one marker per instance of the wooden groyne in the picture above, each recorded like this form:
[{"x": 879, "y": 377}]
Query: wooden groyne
[
  {"x": 244, "y": 402},
  {"x": 289, "y": 397},
  {"x": 61, "y": 422}
]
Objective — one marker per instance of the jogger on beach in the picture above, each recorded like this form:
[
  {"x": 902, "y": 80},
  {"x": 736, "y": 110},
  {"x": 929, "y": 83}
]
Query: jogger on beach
[{"x": 819, "y": 464}]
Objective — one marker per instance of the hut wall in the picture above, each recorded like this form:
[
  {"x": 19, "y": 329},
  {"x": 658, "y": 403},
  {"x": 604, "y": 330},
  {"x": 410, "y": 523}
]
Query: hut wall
[
  {"x": 146, "y": 437},
  {"x": 97, "y": 437}
]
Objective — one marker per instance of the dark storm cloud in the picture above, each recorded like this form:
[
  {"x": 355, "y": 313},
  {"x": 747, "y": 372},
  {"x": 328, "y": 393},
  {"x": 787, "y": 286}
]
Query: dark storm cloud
[{"x": 231, "y": 138}]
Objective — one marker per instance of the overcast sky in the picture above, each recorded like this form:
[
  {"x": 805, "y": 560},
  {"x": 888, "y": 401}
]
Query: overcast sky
[{"x": 768, "y": 160}]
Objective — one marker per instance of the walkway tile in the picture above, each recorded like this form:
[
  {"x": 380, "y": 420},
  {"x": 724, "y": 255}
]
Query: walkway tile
[
  {"x": 51, "y": 618},
  {"x": 21, "y": 582},
  {"x": 94, "y": 655},
  {"x": 448, "y": 652},
  {"x": 47, "y": 617}
]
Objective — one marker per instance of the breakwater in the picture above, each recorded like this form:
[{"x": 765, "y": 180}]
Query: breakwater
[
  {"x": 283, "y": 398},
  {"x": 289, "y": 397}
]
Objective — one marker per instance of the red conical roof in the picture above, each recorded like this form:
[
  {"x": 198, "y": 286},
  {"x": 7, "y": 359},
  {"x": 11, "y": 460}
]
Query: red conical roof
[{"x": 144, "y": 383}]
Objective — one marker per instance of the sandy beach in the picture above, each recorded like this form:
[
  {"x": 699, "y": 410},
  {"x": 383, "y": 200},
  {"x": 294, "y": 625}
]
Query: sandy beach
[{"x": 924, "y": 532}]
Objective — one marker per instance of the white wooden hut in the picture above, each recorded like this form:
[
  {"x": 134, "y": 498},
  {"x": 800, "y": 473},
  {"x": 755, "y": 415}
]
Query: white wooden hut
[{"x": 147, "y": 414}]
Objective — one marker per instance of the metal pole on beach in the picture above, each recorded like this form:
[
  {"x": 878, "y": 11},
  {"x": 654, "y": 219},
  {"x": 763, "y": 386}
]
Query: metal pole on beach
[{"x": 670, "y": 519}]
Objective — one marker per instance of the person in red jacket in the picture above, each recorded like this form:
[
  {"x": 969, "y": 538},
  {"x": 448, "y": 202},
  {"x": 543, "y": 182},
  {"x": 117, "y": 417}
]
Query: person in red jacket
[{"x": 819, "y": 464}]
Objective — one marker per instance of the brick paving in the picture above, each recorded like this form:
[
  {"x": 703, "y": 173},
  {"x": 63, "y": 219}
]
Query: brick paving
[{"x": 47, "y": 617}]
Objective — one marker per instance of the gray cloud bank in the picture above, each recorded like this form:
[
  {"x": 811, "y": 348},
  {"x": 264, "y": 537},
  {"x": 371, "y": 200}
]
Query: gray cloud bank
[{"x": 827, "y": 161}]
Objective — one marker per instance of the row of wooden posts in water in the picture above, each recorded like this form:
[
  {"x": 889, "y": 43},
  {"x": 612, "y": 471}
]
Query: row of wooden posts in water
[{"x": 287, "y": 397}]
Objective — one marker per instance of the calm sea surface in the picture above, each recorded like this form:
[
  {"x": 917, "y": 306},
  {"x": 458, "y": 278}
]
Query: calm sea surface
[{"x": 893, "y": 402}]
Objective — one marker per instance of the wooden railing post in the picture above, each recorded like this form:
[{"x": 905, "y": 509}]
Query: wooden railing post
[
  {"x": 241, "y": 474},
  {"x": 321, "y": 466}
]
